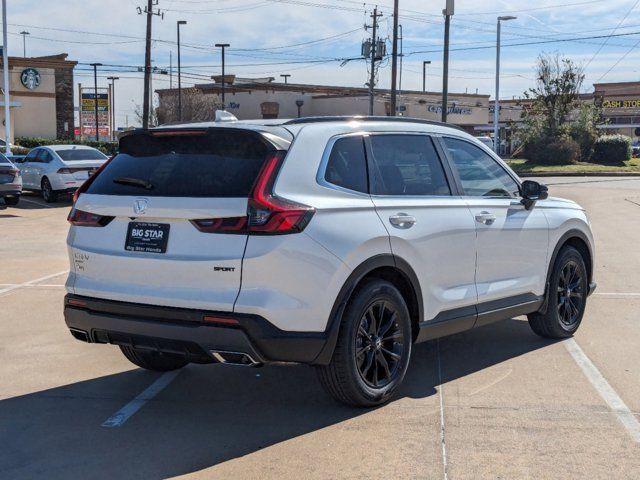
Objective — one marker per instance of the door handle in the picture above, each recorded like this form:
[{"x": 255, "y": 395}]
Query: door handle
[
  {"x": 402, "y": 220},
  {"x": 486, "y": 218}
]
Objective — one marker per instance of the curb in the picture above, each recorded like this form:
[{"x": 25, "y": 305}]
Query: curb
[{"x": 578, "y": 174}]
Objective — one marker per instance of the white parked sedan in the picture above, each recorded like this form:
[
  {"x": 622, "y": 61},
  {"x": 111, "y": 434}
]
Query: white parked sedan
[{"x": 59, "y": 169}]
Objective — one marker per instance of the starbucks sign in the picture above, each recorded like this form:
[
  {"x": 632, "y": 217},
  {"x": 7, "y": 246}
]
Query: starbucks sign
[{"x": 30, "y": 78}]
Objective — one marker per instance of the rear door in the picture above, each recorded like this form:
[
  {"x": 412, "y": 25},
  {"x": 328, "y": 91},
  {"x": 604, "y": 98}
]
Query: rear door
[
  {"x": 26, "y": 168},
  {"x": 429, "y": 227},
  {"x": 163, "y": 199},
  {"x": 512, "y": 241}
]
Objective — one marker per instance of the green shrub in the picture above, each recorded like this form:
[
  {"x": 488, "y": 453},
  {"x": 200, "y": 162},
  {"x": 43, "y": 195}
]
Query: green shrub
[
  {"x": 611, "y": 150},
  {"x": 559, "y": 151},
  {"x": 108, "y": 148}
]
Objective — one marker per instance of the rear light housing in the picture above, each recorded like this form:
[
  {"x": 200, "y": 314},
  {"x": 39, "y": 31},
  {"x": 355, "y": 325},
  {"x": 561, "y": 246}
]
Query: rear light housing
[
  {"x": 267, "y": 213},
  {"x": 81, "y": 218},
  {"x": 87, "y": 183}
]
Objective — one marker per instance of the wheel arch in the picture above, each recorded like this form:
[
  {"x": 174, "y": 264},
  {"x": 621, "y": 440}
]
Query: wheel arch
[
  {"x": 577, "y": 239},
  {"x": 386, "y": 267}
]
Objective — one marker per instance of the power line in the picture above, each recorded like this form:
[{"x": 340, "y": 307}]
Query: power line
[{"x": 612, "y": 32}]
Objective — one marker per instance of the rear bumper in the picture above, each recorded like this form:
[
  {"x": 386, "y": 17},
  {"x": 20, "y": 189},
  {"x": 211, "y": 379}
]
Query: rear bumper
[
  {"x": 179, "y": 330},
  {"x": 10, "y": 189}
]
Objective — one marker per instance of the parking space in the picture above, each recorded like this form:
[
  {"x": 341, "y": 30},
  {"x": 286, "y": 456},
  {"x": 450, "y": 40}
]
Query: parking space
[{"x": 495, "y": 402}]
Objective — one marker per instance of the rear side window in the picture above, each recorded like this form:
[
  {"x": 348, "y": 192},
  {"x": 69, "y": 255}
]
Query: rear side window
[
  {"x": 480, "y": 175},
  {"x": 407, "y": 165},
  {"x": 347, "y": 165},
  {"x": 71, "y": 154},
  {"x": 44, "y": 156},
  {"x": 214, "y": 164}
]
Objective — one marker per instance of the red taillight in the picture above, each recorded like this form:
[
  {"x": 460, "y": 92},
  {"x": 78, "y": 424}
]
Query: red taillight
[
  {"x": 83, "y": 188},
  {"x": 86, "y": 219},
  {"x": 220, "y": 320},
  {"x": 76, "y": 302},
  {"x": 267, "y": 214}
]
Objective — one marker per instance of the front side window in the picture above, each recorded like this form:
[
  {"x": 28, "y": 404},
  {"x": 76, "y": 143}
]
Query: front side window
[
  {"x": 347, "y": 164},
  {"x": 407, "y": 165},
  {"x": 481, "y": 175}
]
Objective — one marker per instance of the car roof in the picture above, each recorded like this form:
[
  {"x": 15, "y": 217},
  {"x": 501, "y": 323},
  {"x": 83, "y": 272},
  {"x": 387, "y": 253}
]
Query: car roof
[{"x": 67, "y": 147}]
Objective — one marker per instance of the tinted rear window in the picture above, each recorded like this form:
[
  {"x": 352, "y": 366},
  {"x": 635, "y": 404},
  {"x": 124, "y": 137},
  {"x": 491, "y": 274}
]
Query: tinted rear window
[
  {"x": 80, "y": 154},
  {"x": 218, "y": 164},
  {"x": 3, "y": 160}
]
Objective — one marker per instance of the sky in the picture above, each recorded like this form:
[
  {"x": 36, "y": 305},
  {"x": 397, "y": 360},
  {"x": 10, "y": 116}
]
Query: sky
[{"x": 311, "y": 39}]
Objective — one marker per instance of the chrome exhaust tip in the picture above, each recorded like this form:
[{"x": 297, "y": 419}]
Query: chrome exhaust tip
[{"x": 235, "y": 358}]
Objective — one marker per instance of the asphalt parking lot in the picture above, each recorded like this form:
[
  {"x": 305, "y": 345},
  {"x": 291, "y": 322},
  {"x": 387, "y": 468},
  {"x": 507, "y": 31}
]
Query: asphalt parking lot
[{"x": 496, "y": 402}]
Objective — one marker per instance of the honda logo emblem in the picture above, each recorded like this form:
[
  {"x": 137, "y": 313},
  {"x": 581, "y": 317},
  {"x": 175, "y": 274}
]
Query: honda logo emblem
[{"x": 140, "y": 206}]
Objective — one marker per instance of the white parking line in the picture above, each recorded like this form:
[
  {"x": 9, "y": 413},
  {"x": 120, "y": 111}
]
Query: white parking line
[
  {"x": 621, "y": 294},
  {"x": 122, "y": 415},
  {"x": 30, "y": 282},
  {"x": 442, "y": 433},
  {"x": 605, "y": 390},
  {"x": 33, "y": 286}
]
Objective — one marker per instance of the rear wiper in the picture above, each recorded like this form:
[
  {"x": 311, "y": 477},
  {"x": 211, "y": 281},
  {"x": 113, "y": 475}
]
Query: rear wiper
[{"x": 134, "y": 182}]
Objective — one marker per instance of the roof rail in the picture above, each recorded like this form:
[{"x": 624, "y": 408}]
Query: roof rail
[{"x": 365, "y": 118}]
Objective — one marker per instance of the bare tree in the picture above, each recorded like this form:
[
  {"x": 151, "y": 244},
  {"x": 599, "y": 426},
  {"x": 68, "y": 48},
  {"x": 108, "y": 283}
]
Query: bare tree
[
  {"x": 555, "y": 96},
  {"x": 197, "y": 106}
]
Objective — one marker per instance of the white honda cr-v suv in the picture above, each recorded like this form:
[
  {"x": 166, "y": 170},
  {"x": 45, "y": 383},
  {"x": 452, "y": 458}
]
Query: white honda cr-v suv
[{"x": 335, "y": 242}]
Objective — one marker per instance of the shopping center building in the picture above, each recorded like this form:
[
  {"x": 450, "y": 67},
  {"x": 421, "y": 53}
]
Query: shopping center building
[
  {"x": 265, "y": 98},
  {"x": 41, "y": 97}
]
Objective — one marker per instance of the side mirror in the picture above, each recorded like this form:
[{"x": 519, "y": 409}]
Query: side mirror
[{"x": 533, "y": 191}]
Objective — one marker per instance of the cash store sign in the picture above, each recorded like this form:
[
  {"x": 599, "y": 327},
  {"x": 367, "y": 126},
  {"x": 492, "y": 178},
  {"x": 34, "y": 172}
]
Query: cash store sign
[{"x": 621, "y": 103}]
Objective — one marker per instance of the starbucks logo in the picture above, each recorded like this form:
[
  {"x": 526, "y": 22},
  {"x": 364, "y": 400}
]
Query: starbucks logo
[{"x": 30, "y": 78}]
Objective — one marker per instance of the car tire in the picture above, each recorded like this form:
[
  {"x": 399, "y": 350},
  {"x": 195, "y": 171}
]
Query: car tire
[
  {"x": 12, "y": 201},
  {"x": 373, "y": 348},
  {"x": 48, "y": 193},
  {"x": 567, "y": 297},
  {"x": 156, "y": 361}
]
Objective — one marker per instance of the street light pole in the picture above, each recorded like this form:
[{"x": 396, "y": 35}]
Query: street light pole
[
  {"x": 285, "y": 76},
  {"x": 180, "y": 22},
  {"x": 5, "y": 68},
  {"x": 424, "y": 74},
  {"x": 223, "y": 46},
  {"x": 24, "y": 34},
  {"x": 447, "y": 12},
  {"x": 113, "y": 105},
  {"x": 95, "y": 97},
  {"x": 496, "y": 105}
]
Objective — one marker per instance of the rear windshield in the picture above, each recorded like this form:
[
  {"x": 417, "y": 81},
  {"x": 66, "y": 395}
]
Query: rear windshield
[
  {"x": 69, "y": 155},
  {"x": 216, "y": 164},
  {"x": 3, "y": 160}
]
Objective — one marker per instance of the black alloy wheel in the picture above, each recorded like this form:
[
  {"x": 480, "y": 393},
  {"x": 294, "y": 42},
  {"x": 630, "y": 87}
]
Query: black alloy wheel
[
  {"x": 379, "y": 346},
  {"x": 570, "y": 294}
]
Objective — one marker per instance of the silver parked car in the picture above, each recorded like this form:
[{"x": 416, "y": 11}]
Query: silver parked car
[
  {"x": 59, "y": 169},
  {"x": 10, "y": 181}
]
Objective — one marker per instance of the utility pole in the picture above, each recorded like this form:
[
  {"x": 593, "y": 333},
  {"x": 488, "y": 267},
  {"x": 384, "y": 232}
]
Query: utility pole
[
  {"x": 180, "y": 22},
  {"x": 95, "y": 96},
  {"x": 5, "y": 71},
  {"x": 424, "y": 74},
  {"x": 496, "y": 104},
  {"x": 170, "y": 70},
  {"x": 401, "y": 38},
  {"x": 394, "y": 59},
  {"x": 447, "y": 12},
  {"x": 374, "y": 56},
  {"x": 24, "y": 34},
  {"x": 285, "y": 76},
  {"x": 148, "y": 11},
  {"x": 113, "y": 105},
  {"x": 223, "y": 46}
]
